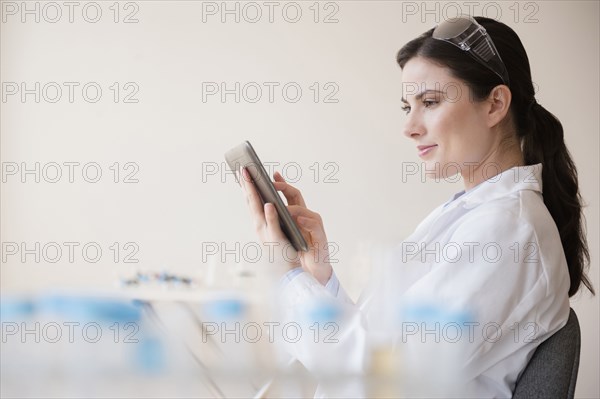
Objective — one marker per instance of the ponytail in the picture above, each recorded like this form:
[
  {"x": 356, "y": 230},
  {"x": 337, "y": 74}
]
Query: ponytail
[{"x": 543, "y": 142}]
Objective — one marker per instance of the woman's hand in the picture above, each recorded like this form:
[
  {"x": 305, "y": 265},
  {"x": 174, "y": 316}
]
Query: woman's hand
[{"x": 266, "y": 222}]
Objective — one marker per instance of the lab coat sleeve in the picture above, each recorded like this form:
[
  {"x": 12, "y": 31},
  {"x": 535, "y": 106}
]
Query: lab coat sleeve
[
  {"x": 333, "y": 286},
  {"x": 511, "y": 278},
  {"x": 337, "y": 290}
]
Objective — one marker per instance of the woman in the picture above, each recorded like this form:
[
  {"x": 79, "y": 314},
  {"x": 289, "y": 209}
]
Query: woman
[{"x": 500, "y": 249}]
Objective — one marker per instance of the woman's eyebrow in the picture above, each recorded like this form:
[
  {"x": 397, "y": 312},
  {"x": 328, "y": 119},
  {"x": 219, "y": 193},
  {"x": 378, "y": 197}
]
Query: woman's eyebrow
[{"x": 421, "y": 94}]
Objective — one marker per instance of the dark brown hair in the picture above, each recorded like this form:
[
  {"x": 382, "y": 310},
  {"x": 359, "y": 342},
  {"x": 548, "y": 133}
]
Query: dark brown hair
[{"x": 540, "y": 132}]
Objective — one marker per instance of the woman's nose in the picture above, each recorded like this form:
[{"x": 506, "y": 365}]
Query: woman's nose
[{"x": 412, "y": 129}]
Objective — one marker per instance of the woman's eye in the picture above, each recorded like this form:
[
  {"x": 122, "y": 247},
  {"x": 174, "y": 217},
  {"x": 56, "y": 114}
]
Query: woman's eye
[{"x": 426, "y": 103}]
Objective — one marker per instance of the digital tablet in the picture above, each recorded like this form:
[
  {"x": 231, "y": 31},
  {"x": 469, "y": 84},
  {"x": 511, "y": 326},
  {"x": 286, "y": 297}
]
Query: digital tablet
[{"x": 244, "y": 156}]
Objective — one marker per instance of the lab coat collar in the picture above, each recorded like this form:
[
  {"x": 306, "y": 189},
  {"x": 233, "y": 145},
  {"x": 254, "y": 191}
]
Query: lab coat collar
[{"x": 515, "y": 179}]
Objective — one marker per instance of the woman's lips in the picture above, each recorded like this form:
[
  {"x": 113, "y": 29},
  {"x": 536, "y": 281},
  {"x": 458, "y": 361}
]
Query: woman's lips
[{"x": 424, "y": 149}]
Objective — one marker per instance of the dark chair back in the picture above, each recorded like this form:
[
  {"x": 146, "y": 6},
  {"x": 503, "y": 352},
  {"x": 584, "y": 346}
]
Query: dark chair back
[{"x": 552, "y": 371}]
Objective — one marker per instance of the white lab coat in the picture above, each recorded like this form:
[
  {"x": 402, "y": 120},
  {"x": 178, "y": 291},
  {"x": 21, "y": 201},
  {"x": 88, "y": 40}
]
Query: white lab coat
[{"x": 525, "y": 287}]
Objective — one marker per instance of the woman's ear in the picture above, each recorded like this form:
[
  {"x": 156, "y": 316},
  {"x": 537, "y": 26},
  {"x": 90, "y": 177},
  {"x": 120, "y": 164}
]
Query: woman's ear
[{"x": 498, "y": 104}]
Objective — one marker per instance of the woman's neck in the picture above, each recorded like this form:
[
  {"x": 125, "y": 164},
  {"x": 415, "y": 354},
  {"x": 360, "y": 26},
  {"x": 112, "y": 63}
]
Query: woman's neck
[{"x": 492, "y": 166}]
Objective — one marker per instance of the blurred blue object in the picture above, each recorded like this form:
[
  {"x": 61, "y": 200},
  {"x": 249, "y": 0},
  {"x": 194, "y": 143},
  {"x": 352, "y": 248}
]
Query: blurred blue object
[
  {"x": 227, "y": 309},
  {"x": 15, "y": 308},
  {"x": 433, "y": 313},
  {"x": 150, "y": 355},
  {"x": 324, "y": 311},
  {"x": 91, "y": 308}
]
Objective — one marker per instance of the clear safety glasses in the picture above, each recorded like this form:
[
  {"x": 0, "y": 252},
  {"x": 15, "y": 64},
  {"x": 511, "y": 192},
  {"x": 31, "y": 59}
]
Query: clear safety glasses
[{"x": 465, "y": 33}]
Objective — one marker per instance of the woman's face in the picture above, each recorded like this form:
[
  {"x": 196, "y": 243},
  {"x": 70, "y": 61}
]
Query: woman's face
[{"x": 450, "y": 131}]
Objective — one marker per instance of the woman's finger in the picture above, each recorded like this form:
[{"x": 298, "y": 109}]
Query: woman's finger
[
  {"x": 309, "y": 222},
  {"x": 273, "y": 226},
  {"x": 297, "y": 210},
  {"x": 275, "y": 233},
  {"x": 272, "y": 219},
  {"x": 314, "y": 228},
  {"x": 253, "y": 199},
  {"x": 292, "y": 194}
]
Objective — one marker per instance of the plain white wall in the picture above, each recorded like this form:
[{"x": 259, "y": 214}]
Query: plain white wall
[{"x": 172, "y": 135}]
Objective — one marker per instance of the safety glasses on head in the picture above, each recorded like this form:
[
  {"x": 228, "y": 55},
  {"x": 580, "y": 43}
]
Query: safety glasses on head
[{"x": 465, "y": 33}]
